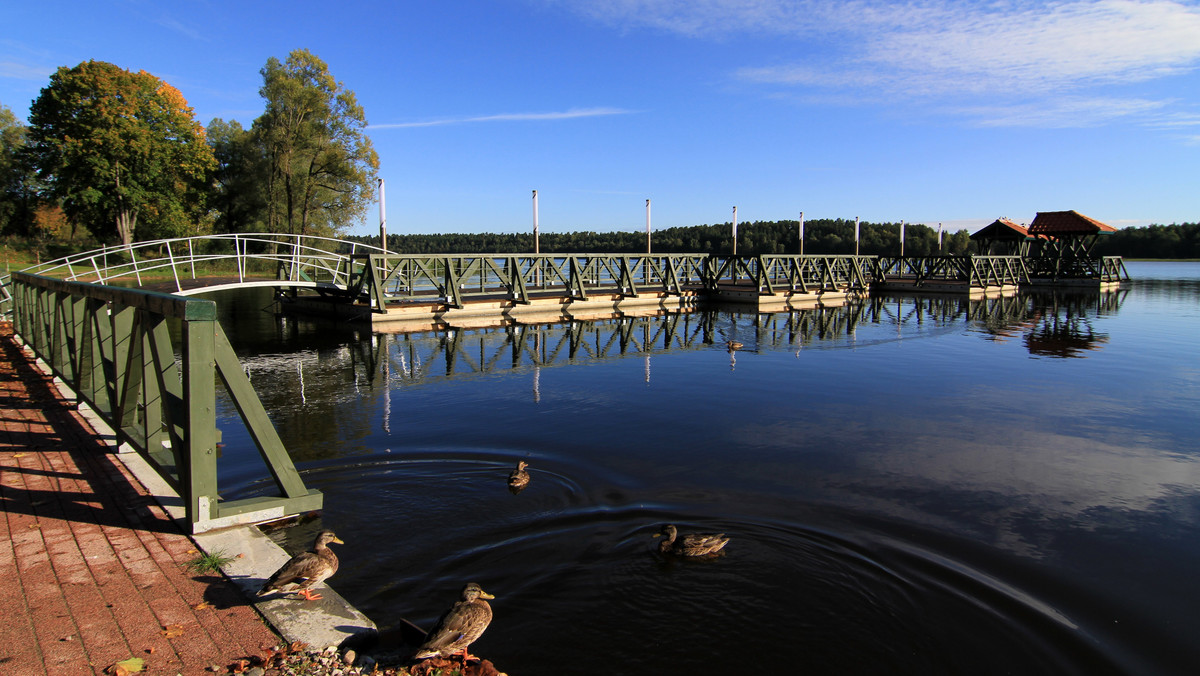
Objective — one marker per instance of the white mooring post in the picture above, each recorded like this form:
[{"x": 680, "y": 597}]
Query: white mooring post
[
  {"x": 382, "y": 220},
  {"x": 647, "y": 226},
  {"x": 856, "y": 235},
  {"x": 939, "y": 238},
  {"x": 536, "y": 247},
  {"x": 801, "y": 233},
  {"x": 902, "y": 239},
  {"x": 735, "y": 231}
]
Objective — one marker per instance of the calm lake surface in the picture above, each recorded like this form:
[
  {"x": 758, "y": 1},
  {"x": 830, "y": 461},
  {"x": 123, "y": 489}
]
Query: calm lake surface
[{"x": 911, "y": 485}]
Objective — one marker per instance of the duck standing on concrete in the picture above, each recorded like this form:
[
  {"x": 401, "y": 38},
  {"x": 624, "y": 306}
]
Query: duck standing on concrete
[
  {"x": 692, "y": 544},
  {"x": 459, "y": 627},
  {"x": 306, "y": 569}
]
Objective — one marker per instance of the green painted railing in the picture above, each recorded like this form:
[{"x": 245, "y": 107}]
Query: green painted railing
[
  {"x": 362, "y": 272},
  {"x": 976, "y": 271},
  {"x": 1077, "y": 267},
  {"x": 772, "y": 274},
  {"x": 452, "y": 279},
  {"x": 114, "y": 347}
]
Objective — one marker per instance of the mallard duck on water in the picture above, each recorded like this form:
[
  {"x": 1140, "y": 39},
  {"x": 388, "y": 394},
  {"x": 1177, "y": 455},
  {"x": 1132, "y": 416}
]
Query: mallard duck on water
[
  {"x": 306, "y": 569},
  {"x": 733, "y": 346},
  {"x": 691, "y": 544},
  {"x": 459, "y": 627},
  {"x": 519, "y": 478}
]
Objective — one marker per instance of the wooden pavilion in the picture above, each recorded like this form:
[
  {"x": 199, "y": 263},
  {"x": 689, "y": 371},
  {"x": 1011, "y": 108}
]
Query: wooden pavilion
[
  {"x": 1064, "y": 252},
  {"x": 1002, "y": 237}
]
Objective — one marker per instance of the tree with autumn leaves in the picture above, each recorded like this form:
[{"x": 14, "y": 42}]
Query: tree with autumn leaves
[
  {"x": 120, "y": 152},
  {"x": 122, "y": 155}
]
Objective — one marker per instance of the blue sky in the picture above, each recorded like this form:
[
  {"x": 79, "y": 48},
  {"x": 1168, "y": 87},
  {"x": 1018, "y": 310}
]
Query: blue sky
[{"x": 931, "y": 111}]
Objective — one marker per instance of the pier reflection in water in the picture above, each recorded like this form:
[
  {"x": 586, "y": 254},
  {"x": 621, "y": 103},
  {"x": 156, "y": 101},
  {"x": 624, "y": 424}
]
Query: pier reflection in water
[
  {"x": 1050, "y": 324},
  {"x": 912, "y": 485}
]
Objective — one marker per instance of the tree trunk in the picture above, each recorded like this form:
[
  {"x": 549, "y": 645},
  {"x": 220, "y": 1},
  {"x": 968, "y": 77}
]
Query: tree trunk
[
  {"x": 291, "y": 208},
  {"x": 126, "y": 222}
]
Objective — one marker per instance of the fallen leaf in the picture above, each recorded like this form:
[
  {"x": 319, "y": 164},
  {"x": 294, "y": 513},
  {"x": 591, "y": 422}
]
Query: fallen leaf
[
  {"x": 192, "y": 551},
  {"x": 150, "y": 650},
  {"x": 34, "y": 525},
  {"x": 240, "y": 556},
  {"x": 239, "y": 666},
  {"x": 203, "y": 605},
  {"x": 172, "y": 630},
  {"x": 132, "y": 665},
  {"x": 297, "y": 646},
  {"x": 19, "y": 455}
]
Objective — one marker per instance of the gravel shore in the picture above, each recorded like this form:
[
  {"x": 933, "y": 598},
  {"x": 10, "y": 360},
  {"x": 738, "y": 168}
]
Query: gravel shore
[{"x": 299, "y": 660}]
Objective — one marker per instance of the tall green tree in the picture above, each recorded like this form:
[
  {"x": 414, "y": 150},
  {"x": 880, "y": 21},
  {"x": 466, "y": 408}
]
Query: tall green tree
[
  {"x": 120, "y": 151},
  {"x": 17, "y": 202},
  {"x": 238, "y": 199},
  {"x": 322, "y": 164}
]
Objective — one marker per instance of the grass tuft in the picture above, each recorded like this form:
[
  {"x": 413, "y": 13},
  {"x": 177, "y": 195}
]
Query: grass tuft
[{"x": 209, "y": 562}]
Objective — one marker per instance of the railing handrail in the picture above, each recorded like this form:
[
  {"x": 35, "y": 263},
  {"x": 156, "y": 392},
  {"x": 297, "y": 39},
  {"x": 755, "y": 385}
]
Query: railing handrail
[
  {"x": 113, "y": 347},
  {"x": 363, "y": 270}
]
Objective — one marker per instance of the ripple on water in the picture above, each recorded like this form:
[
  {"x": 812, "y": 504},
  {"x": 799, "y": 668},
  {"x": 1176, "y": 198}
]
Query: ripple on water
[{"x": 576, "y": 573}]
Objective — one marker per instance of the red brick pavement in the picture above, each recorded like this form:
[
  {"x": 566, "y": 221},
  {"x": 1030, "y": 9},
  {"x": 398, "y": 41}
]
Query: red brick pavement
[{"x": 92, "y": 570}]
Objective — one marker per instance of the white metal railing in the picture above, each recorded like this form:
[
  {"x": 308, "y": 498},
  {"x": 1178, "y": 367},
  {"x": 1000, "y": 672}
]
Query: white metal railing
[{"x": 308, "y": 260}]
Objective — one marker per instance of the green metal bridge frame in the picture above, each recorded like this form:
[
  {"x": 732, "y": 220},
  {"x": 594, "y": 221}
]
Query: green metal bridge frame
[
  {"x": 369, "y": 275},
  {"x": 114, "y": 348}
]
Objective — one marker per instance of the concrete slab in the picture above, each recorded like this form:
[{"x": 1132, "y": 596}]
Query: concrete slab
[
  {"x": 322, "y": 623},
  {"x": 325, "y": 622}
]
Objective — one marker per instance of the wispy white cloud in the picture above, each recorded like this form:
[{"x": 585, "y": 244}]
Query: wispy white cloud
[
  {"x": 1177, "y": 120},
  {"x": 948, "y": 49},
  {"x": 1047, "y": 47},
  {"x": 22, "y": 71},
  {"x": 1059, "y": 112},
  {"x": 508, "y": 117},
  {"x": 180, "y": 27}
]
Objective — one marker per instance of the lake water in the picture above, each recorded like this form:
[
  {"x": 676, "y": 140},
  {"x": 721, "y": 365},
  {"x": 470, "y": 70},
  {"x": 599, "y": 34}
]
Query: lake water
[{"x": 911, "y": 485}]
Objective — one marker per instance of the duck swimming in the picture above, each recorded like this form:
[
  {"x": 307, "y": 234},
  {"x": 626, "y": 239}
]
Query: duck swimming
[
  {"x": 691, "y": 544},
  {"x": 519, "y": 478}
]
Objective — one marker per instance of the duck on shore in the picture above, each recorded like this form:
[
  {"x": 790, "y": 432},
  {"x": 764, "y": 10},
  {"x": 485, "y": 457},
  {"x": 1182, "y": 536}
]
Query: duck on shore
[
  {"x": 306, "y": 569},
  {"x": 459, "y": 627}
]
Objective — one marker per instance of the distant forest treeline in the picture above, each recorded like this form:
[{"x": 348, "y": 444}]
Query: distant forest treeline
[
  {"x": 821, "y": 236},
  {"x": 1153, "y": 241}
]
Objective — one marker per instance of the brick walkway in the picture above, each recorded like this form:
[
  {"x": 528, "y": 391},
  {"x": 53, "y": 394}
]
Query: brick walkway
[{"x": 91, "y": 569}]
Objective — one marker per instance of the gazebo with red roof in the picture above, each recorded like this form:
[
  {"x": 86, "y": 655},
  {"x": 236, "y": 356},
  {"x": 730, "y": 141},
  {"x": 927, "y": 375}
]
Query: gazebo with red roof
[
  {"x": 1002, "y": 237},
  {"x": 1068, "y": 238},
  {"x": 1067, "y": 224}
]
